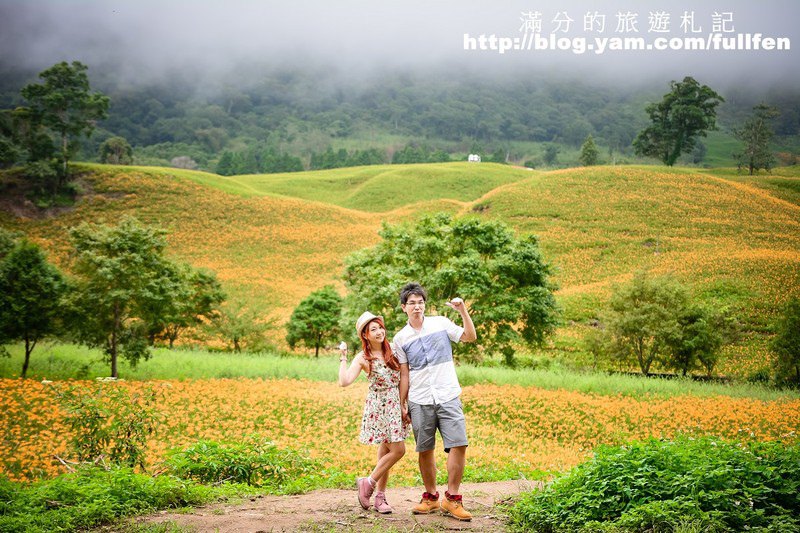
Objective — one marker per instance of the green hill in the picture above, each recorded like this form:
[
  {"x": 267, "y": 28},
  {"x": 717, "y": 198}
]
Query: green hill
[{"x": 273, "y": 239}]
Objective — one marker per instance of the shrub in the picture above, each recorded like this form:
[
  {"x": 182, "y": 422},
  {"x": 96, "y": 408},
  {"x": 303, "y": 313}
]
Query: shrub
[
  {"x": 92, "y": 496},
  {"x": 257, "y": 462},
  {"x": 654, "y": 486},
  {"x": 110, "y": 421}
]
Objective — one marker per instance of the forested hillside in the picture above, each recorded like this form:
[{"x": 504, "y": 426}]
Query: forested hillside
[{"x": 324, "y": 119}]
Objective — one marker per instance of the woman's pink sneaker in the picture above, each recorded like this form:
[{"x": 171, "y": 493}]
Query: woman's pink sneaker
[
  {"x": 381, "y": 505},
  {"x": 365, "y": 489}
]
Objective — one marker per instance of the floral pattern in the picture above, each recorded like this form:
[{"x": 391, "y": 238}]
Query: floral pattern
[{"x": 383, "y": 419}]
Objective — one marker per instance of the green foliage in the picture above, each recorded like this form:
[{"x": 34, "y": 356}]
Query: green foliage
[
  {"x": 242, "y": 327},
  {"x": 644, "y": 316},
  {"x": 652, "y": 320},
  {"x": 256, "y": 462},
  {"x": 550, "y": 154},
  {"x": 315, "y": 319},
  {"x": 421, "y": 153},
  {"x": 786, "y": 344},
  {"x": 64, "y": 105},
  {"x": 193, "y": 299},
  {"x": 93, "y": 496},
  {"x": 123, "y": 275},
  {"x": 109, "y": 421},
  {"x": 31, "y": 292},
  {"x": 116, "y": 151},
  {"x": 756, "y": 134},
  {"x": 697, "y": 340},
  {"x": 342, "y": 158},
  {"x": 657, "y": 486},
  {"x": 589, "y": 152},
  {"x": 504, "y": 280},
  {"x": 684, "y": 113}
]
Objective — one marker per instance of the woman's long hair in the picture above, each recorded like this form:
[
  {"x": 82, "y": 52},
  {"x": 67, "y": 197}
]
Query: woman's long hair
[{"x": 388, "y": 355}]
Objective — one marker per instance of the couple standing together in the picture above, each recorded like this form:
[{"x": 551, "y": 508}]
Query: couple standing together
[{"x": 414, "y": 378}]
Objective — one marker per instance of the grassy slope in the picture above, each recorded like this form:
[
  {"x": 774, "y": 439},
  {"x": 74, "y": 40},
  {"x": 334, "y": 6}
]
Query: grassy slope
[{"x": 735, "y": 238}]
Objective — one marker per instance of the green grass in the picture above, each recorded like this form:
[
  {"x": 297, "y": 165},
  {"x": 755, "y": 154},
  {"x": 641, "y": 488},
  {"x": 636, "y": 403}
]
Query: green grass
[
  {"x": 93, "y": 496},
  {"x": 378, "y": 188},
  {"x": 59, "y": 361}
]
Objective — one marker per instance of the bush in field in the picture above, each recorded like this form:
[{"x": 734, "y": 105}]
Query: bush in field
[
  {"x": 653, "y": 486},
  {"x": 787, "y": 344},
  {"x": 109, "y": 421},
  {"x": 257, "y": 462}
]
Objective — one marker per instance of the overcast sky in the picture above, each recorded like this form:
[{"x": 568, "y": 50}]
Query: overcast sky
[{"x": 150, "y": 38}]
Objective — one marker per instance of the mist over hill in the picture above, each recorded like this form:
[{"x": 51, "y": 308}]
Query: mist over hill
[{"x": 199, "y": 80}]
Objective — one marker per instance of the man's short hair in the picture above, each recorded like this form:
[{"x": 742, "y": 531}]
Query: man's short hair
[{"x": 412, "y": 289}]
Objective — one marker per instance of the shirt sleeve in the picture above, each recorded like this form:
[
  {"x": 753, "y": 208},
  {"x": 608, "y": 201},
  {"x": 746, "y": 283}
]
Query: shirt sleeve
[
  {"x": 402, "y": 358},
  {"x": 454, "y": 331}
]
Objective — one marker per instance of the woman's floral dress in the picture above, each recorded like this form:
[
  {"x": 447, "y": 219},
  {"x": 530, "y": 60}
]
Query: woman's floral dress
[{"x": 383, "y": 418}]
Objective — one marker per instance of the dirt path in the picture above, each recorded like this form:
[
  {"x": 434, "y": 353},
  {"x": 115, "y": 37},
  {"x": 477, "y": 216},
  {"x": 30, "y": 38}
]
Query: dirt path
[{"x": 338, "y": 510}]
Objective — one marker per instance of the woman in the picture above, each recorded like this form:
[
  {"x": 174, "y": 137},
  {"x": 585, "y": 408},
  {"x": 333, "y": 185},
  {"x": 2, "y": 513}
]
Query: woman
[{"x": 382, "y": 423}]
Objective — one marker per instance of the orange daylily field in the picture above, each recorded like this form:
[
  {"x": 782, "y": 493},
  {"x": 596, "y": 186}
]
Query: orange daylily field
[{"x": 511, "y": 428}]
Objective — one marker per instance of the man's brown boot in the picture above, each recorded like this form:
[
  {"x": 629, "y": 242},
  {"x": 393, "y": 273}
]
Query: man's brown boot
[
  {"x": 452, "y": 505},
  {"x": 428, "y": 504}
]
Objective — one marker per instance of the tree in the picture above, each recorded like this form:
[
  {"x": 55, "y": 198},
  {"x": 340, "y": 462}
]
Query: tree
[
  {"x": 243, "y": 327},
  {"x": 504, "y": 279},
  {"x": 786, "y": 344},
  {"x": 64, "y": 105},
  {"x": 644, "y": 317},
  {"x": 225, "y": 164},
  {"x": 550, "y": 155},
  {"x": 684, "y": 113},
  {"x": 116, "y": 151},
  {"x": 589, "y": 152},
  {"x": 756, "y": 134},
  {"x": 194, "y": 300},
  {"x": 696, "y": 341},
  {"x": 315, "y": 319},
  {"x": 31, "y": 290},
  {"x": 122, "y": 273}
]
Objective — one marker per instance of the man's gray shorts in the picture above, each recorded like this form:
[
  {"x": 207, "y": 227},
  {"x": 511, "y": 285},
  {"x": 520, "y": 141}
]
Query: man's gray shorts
[{"x": 447, "y": 417}]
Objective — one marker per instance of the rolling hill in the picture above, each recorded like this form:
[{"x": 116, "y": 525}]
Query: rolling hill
[{"x": 272, "y": 239}]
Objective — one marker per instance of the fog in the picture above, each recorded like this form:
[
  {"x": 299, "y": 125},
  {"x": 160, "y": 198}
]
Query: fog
[{"x": 147, "y": 40}]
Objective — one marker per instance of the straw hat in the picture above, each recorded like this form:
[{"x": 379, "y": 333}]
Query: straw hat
[{"x": 364, "y": 319}]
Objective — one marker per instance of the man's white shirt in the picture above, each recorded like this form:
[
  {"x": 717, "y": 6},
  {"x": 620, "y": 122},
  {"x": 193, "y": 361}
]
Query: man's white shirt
[{"x": 431, "y": 372}]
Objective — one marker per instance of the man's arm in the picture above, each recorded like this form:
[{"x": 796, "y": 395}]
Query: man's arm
[
  {"x": 469, "y": 334},
  {"x": 404, "y": 391}
]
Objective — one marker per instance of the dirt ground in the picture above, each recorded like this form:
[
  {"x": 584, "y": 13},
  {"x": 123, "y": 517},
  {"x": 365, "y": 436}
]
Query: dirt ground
[{"x": 338, "y": 510}]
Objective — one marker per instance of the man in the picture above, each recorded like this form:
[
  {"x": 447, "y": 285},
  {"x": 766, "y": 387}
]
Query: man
[{"x": 429, "y": 386}]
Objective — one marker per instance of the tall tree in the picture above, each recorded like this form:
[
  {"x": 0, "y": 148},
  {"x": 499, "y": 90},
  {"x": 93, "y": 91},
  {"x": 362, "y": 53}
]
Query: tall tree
[
  {"x": 684, "y": 114},
  {"x": 64, "y": 104},
  {"x": 31, "y": 290},
  {"x": 589, "y": 152},
  {"x": 504, "y": 279},
  {"x": 756, "y": 134},
  {"x": 315, "y": 319},
  {"x": 122, "y": 274}
]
